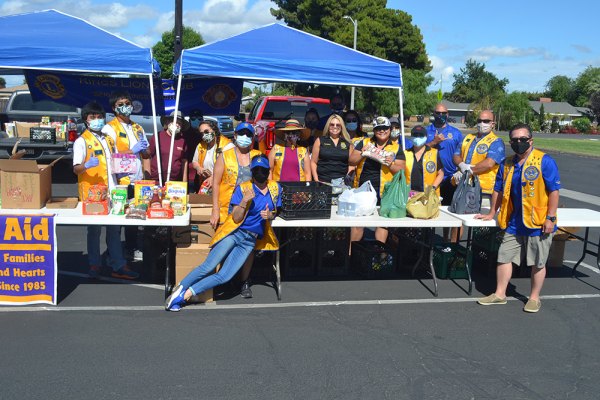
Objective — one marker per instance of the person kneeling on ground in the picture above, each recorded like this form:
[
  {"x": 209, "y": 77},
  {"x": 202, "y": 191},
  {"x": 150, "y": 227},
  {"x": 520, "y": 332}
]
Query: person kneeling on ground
[{"x": 247, "y": 227}]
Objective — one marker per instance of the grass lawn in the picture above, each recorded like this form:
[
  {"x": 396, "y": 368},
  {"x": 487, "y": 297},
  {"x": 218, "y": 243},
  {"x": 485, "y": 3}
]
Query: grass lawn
[{"x": 587, "y": 147}]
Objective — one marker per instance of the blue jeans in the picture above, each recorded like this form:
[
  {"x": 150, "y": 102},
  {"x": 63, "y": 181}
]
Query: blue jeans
[
  {"x": 113, "y": 243},
  {"x": 234, "y": 249}
]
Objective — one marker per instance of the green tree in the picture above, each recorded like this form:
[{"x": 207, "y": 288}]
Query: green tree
[
  {"x": 542, "y": 116},
  {"x": 164, "y": 52},
  {"x": 559, "y": 88},
  {"x": 511, "y": 109},
  {"x": 2, "y": 83},
  {"x": 382, "y": 32},
  {"x": 473, "y": 84},
  {"x": 583, "y": 125},
  {"x": 417, "y": 101},
  {"x": 586, "y": 83},
  {"x": 595, "y": 104},
  {"x": 246, "y": 91}
]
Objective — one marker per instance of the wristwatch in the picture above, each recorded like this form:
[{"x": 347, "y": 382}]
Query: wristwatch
[{"x": 551, "y": 219}]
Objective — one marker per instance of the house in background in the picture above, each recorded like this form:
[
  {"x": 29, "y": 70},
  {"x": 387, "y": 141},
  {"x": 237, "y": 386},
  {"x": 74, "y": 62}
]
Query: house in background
[
  {"x": 457, "y": 112},
  {"x": 561, "y": 110}
]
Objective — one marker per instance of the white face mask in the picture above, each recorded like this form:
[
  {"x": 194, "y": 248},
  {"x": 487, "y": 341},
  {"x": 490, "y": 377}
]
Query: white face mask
[
  {"x": 208, "y": 137},
  {"x": 484, "y": 128},
  {"x": 395, "y": 133},
  {"x": 174, "y": 128}
]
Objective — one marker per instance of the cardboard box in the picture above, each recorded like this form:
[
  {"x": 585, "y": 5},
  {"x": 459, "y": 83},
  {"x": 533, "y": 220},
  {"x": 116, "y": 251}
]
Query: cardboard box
[
  {"x": 194, "y": 233},
  {"x": 95, "y": 207},
  {"x": 22, "y": 128},
  {"x": 24, "y": 184},
  {"x": 188, "y": 257},
  {"x": 200, "y": 207},
  {"x": 62, "y": 202}
]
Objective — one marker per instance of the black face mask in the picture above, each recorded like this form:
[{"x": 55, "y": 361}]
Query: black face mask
[
  {"x": 439, "y": 120},
  {"x": 520, "y": 147},
  {"x": 260, "y": 174}
]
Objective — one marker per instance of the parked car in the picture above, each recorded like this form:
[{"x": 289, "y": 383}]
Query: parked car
[{"x": 270, "y": 111}]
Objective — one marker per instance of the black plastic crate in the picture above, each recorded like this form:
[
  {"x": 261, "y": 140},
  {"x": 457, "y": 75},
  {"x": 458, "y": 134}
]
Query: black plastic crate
[
  {"x": 449, "y": 261},
  {"x": 488, "y": 238},
  {"x": 373, "y": 259},
  {"x": 305, "y": 200},
  {"x": 332, "y": 251},
  {"x": 297, "y": 259}
]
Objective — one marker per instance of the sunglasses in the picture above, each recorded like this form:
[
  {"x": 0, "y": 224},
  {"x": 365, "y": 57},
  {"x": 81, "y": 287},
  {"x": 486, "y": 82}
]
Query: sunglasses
[
  {"x": 206, "y": 131},
  {"x": 520, "y": 139},
  {"x": 485, "y": 121},
  {"x": 440, "y": 113},
  {"x": 123, "y": 104},
  {"x": 351, "y": 120},
  {"x": 245, "y": 132},
  {"x": 380, "y": 129},
  {"x": 335, "y": 125}
]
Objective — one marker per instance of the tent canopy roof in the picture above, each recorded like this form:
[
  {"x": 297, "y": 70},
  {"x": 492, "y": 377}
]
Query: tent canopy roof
[
  {"x": 277, "y": 52},
  {"x": 51, "y": 40}
]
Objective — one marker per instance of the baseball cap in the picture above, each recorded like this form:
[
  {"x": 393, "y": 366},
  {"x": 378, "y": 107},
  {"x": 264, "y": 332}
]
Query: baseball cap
[
  {"x": 418, "y": 131},
  {"x": 259, "y": 161},
  {"x": 381, "y": 122},
  {"x": 394, "y": 120},
  {"x": 245, "y": 125}
]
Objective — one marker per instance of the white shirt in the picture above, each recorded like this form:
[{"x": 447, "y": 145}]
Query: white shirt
[
  {"x": 80, "y": 152},
  {"x": 108, "y": 130},
  {"x": 209, "y": 159}
]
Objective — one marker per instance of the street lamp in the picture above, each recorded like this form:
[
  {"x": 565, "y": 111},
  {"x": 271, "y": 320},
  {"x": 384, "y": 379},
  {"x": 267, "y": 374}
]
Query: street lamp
[{"x": 355, "y": 22}]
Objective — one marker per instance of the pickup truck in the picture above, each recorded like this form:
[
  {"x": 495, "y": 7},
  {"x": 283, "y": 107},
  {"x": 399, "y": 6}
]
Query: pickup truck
[
  {"x": 271, "y": 111},
  {"x": 20, "y": 107}
]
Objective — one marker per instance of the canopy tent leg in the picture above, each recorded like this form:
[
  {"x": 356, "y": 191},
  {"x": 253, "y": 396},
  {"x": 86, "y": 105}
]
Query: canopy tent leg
[
  {"x": 400, "y": 100},
  {"x": 158, "y": 164},
  {"x": 179, "y": 79}
]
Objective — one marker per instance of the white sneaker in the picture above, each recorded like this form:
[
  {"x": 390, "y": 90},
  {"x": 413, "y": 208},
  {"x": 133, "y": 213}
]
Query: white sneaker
[{"x": 138, "y": 255}]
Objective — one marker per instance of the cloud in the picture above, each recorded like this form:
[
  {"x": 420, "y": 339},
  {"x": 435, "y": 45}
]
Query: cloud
[
  {"x": 489, "y": 52},
  {"x": 581, "y": 48},
  {"x": 449, "y": 46},
  {"x": 441, "y": 69}
]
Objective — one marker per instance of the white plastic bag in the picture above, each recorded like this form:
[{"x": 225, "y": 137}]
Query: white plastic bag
[{"x": 358, "y": 202}]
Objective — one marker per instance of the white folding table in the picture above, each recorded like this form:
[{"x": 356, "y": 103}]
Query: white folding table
[
  {"x": 338, "y": 221},
  {"x": 74, "y": 216}
]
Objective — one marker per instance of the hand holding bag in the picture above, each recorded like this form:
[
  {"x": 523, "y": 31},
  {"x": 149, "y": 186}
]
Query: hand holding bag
[
  {"x": 467, "y": 197},
  {"x": 425, "y": 205},
  {"x": 395, "y": 196}
]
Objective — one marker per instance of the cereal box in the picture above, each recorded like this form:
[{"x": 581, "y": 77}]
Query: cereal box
[
  {"x": 176, "y": 192},
  {"x": 142, "y": 191},
  {"x": 124, "y": 163}
]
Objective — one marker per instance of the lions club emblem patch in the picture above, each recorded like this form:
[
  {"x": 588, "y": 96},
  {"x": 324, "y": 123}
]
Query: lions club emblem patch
[
  {"x": 430, "y": 167},
  {"x": 531, "y": 173},
  {"x": 482, "y": 148}
]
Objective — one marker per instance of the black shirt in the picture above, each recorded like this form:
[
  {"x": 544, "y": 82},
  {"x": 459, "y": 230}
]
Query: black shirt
[
  {"x": 416, "y": 175},
  {"x": 333, "y": 160},
  {"x": 371, "y": 170}
]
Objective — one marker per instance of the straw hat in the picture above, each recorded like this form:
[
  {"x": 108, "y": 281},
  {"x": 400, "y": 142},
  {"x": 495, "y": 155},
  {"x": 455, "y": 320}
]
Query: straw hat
[
  {"x": 293, "y": 125},
  {"x": 164, "y": 120}
]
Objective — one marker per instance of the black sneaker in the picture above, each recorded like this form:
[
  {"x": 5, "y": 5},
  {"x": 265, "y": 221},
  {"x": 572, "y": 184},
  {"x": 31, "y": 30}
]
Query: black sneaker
[{"x": 246, "y": 292}]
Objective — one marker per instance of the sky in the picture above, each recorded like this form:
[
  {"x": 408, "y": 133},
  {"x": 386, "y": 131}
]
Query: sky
[{"x": 525, "y": 41}]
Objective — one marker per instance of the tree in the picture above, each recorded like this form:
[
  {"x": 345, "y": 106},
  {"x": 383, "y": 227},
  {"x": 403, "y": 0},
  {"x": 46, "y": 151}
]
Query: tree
[
  {"x": 2, "y": 83},
  {"x": 473, "y": 84},
  {"x": 511, "y": 109},
  {"x": 542, "y": 116},
  {"x": 559, "y": 88},
  {"x": 163, "y": 50},
  {"x": 417, "y": 101},
  {"x": 583, "y": 125},
  {"x": 586, "y": 83},
  {"x": 382, "y": 32},
  {"x": 595, "y": 104}
]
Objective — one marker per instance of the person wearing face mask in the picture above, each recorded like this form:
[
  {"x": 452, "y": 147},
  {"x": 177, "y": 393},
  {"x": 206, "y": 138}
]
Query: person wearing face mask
[
  {"x": 446, "y": 139},
  {"x": 311, "y": 121},
  {"x": 179, "y": 162},
  {"x": 290, "y": 162},
  {"x": 526, "y": 190},
  {"x": 337, "y": 105},
  {"x": 481, "y": 155},
  {"x": 354, "y": 126},
  {"x": 423, "y": 165},
  {"x": 92, "y": 153},
  {"x": 396, "y": 135},
  {"x": 212, "y": 144},
  {"x": 192, "y": 139},
  {"x": 254, "y": 205}
]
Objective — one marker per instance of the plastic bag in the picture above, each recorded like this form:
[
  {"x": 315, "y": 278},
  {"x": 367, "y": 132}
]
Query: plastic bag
[
  {"x": 358, "y": 202},
  {"x": 467, "y": 197},
  {"x": 425, "y": 205},
  {"x": 395, "y": 196}
]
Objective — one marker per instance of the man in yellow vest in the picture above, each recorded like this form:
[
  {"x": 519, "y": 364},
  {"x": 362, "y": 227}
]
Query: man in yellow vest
[
  {"x": 526, "y": 190},
  {"x": 129, "y": 138},
  {"x": 92, "y": 153},
  {"x": 247, "y": 227},
  {"x": 481, "y": 155}
]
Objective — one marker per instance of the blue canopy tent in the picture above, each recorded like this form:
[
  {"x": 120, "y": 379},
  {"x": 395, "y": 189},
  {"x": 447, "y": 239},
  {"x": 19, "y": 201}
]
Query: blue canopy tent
[
  {"x": 54, "y": 41},
  {"x": 279, "y": 53}
]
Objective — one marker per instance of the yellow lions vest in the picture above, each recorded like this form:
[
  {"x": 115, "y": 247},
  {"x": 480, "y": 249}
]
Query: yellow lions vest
[
  {"x": 479, "y": 154},
  {"x": 430, "y": 167},
  {"x": 535, "y": 197},
  {"x": 269, "y": 240},
  {"x": 385, "y": 174},
  {"x": 122, "y": 141},
  {"x": 202, "y": 149},
  {"x": 279, "y": 159},
  {"x": 229, "y": 180},
  {"x": 96, "y": 175}
]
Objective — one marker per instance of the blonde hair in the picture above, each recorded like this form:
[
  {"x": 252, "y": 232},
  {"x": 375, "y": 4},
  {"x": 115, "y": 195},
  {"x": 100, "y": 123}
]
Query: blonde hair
[{"x": 344, "y": 134}]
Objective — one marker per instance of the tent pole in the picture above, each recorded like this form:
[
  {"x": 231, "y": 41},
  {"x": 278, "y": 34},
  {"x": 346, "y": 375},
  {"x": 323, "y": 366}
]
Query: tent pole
[
  {"x": 400, "y": 98},
  {"x": 179, "y": 79},
  {"x": 158, "y": 164}
]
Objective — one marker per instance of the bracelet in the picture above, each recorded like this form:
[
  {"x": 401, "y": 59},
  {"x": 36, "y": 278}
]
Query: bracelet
[{"x": 244, "y": 207}]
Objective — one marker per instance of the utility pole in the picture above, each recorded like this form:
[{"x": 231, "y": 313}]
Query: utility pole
[
  {"x": 178, "y": 45},
  {"x": 355, "y": 23}
]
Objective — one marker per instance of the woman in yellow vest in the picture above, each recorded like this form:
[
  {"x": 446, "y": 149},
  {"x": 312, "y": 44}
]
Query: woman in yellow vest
[
  {"x": 290, "y": 162},
  {"x": 247, "y": 227},
  {"x": 212, "y": 144},
  {"x": 423, "y": 165},
  {"x": 379, "y": 173},
  {"x": 92, "y": 152}
]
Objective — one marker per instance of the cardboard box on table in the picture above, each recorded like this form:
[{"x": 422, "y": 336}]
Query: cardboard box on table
[
  {"x": 24, "y": 184},
  {"x": 188, "y": 257},
  {"x": 22, "y": 128}
]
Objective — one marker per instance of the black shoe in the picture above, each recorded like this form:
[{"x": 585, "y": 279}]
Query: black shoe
[{"x": 246, "y": 292}]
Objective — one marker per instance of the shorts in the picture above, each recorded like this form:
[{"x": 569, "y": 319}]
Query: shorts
[
  {"x": 447, "y": 190},
  {"x": 533, "y": 249}
]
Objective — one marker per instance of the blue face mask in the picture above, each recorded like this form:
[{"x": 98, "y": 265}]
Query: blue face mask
[
  {"x": 195, "y": 123},
  {"x": 243, "y": 141},
  {"x": 125, "y": 110},
  {"x": 352, "y": 126},
  {"x": 419, "y": 141},
  {"x": 96, "y": 124}
]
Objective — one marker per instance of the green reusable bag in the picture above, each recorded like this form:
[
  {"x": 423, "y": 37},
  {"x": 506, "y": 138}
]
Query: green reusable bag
[{"x": 395, "y": 197}]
